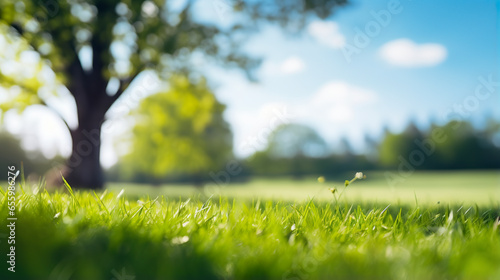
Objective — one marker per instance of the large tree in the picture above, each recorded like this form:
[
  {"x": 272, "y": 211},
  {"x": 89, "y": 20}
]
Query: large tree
[
  {"x": 179, "y": 134},
  {"x": 124, "y": 38}
]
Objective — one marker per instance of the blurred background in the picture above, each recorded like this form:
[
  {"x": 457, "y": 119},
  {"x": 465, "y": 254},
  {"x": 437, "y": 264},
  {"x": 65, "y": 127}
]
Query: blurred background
[{"x": 214, "y": 92}]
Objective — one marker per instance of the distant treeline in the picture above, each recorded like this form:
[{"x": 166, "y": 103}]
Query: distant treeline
[
  {"x": 297, "y": 150},
  {"x": 455, "y": 145}
]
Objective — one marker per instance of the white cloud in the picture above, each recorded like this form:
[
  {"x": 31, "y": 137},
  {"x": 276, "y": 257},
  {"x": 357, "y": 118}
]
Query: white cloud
[
  {"x": 338, "y": 101},
  {"x": 327, "y": 33},
  {"x": 253, "y": 126},
  {"x": 339, "y": 91},
  {"x": 406, "y": 53},
  {"x": 292, "y": 65}
]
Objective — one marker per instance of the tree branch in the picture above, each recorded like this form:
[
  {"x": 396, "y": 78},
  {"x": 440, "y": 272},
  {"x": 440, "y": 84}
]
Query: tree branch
[
  {"x": 42, "y": 102},
  {"x": 20, "y": 31},
  {"x": 75, "y": 68},
  {"x": 124, "y": 84}
]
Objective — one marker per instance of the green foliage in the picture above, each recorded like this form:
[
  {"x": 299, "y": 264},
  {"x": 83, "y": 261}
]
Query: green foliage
[
  {"x": 57, "y": 30},
  {"x": 395, "y": 145},
  {"x": 455, "y": 145},
  {"x": 87, "y": 236},
  {"x": 289, "y": 149},
  {"x": 179, "y": 133},
  {"x": 20, "y": 78},
  {"x": 298, "y": 150},
  {"x": 149, "y": 34}
]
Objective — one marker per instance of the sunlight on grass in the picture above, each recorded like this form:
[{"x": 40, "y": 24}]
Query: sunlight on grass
[{"x": 86, "y": 235}]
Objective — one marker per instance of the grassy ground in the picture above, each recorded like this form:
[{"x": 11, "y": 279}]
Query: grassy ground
[
  {"x": 456, "y": 187},
  {"x": 109, "y": 236}
]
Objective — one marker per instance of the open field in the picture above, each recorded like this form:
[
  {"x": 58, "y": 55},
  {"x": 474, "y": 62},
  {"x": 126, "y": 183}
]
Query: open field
[
  {"x": 244, "y": 234},
  {"x": 455, "y": 187}
]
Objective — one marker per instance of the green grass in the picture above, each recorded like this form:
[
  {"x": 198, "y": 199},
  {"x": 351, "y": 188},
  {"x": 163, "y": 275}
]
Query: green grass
[
  {"x": 431, "y": 187},
  {"x": 86, "y": 236}
]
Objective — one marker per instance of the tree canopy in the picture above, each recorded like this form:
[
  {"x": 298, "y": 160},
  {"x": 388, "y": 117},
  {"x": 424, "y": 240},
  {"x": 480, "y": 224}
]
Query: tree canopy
[{"x": 178, "y": 133}]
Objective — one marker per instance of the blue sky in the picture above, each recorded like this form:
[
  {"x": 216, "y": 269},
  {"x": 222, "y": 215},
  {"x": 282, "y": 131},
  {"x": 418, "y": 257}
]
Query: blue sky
[
  {"x": 459, "y": 38},
  {"x": 418, "y": 65}
]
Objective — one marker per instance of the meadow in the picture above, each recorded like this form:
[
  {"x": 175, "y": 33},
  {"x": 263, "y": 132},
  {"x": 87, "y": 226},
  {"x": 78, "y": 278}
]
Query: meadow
[
  {"x": 423, "y": 187},
  {"x": 262, "y": 229}
]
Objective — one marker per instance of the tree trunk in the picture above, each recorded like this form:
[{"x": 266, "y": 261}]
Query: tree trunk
[{"x": 83, "y": 166}]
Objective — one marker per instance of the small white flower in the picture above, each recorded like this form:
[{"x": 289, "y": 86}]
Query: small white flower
[{"x": 359, "y": 175}]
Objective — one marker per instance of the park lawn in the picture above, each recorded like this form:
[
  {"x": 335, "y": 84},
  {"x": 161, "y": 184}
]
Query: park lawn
[
  {"x": 422, "y": 188},
  {"x": 82, "y": 235}
]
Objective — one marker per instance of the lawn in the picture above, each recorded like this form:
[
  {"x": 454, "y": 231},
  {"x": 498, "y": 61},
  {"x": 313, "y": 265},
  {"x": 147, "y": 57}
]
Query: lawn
[
  {"x": 114, "y": 235},
  {"x": 431, "y": 187}
]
